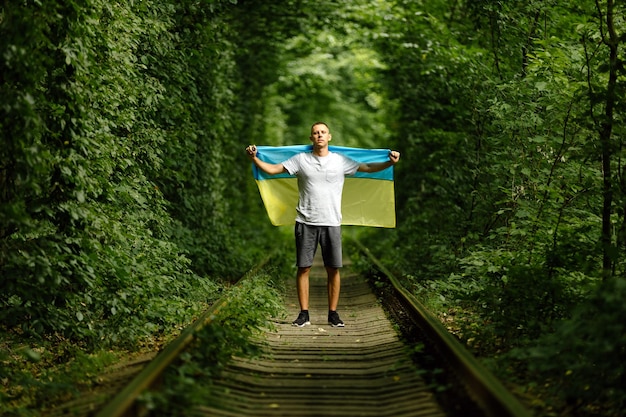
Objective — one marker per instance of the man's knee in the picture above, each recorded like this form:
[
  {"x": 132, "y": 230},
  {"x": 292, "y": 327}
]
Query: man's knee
[
  {"x": 304, "y": 270},
  {"x": 332, "y": 272}
]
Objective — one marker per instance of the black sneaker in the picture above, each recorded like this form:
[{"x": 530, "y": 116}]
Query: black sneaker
[
  {"x": 302, "y": 320},
  {"x": 334, "y": 320}
]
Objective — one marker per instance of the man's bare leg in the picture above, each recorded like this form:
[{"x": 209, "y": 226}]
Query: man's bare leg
[
  {"x": 302, "y": 283},
  {"x": 334, "y": 285}
]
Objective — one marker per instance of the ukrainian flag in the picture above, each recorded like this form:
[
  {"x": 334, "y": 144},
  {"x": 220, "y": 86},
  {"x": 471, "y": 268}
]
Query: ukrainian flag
[{"x": 368, "y": 198}]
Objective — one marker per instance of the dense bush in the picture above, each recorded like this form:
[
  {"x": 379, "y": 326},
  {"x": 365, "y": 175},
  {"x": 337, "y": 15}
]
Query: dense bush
[
  {"x": 512, "y": 210},
  {"x": 114, "y": 170},
  {"x": 583, "y": 359}
]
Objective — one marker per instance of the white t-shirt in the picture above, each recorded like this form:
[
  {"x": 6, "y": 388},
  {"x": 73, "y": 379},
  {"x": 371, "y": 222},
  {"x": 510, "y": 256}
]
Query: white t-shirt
[{"x": 320, "y": 185}]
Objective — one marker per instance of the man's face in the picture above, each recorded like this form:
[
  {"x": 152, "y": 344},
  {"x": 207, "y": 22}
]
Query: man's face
[{"x": 320, "y": 136}]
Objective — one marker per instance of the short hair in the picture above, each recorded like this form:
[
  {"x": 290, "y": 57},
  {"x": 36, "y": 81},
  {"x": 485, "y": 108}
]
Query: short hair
[{"x": 320, "y": 123}]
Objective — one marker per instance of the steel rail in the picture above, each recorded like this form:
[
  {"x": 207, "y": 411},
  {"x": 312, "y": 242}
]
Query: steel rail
[
  {"x": 482, "y": 386},
  {"x": 125, "y": 402}
]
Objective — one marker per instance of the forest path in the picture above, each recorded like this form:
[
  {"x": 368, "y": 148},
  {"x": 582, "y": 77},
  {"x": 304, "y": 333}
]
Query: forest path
[{"x": 362, "y": 369}]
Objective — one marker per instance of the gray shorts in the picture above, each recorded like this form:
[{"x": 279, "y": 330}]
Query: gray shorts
[{"x": 307, "y": 240}]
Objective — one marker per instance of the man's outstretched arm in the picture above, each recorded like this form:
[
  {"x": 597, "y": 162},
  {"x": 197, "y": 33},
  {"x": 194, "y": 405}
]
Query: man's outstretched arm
[
  {"x": 394, "y": 156},
  {"x": 270, "y": 169}
]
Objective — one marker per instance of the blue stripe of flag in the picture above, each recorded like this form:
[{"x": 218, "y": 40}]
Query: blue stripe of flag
[{"x": 278, "y": 154}]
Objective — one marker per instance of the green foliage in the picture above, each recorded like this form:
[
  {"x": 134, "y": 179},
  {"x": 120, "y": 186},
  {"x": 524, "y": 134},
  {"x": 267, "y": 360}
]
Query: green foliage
[
  {"x": 230, "y": 333},
  {"x": 503, "y": 113},
  {"x": 199, "y": 166},
  {"x": 125, "y": 194},
  {"x": 511, "y": 302},
  {"x": 34, "y": 379},
  {"x": 118, "y": 126},
  {"x": 332, "y": 74},
  {"x": 583, "y": 361},
  {"x": 92, "y": 251},
  {"x": 335, "y": 79}
]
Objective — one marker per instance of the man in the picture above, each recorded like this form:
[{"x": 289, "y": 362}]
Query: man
[{"x": 320, "y": 176}]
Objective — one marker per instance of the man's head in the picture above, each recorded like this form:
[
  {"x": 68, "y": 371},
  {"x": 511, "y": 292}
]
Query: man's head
[{"x": 320, "y": 134}]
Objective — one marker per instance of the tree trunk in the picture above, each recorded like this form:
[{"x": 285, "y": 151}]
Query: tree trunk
[{"x": 610, "y": 38}]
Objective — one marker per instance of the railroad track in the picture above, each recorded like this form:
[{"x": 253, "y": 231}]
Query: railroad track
[{"x": 368, "y": 368}]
